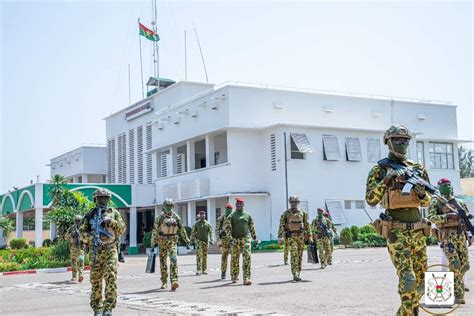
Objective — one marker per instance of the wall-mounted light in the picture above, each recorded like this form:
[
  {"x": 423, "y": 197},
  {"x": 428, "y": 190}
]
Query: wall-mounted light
[
  {"x": 184, "y": 112},
  {"x": 215, "y": 106},
  {"x": 376, "y": 113},
  {"x": 161, "y": 126},
  {"x": 176, "y": 121},
  {"x": 220, "y": 98},
  {"x": 165, "y": 119},
  {"x": 328, "y": 109},
  {"x": 194, "y": 113},
  {"x": 421, "y": 117},
  {"x": 203, "y": 104},
  {"x": 278, "y": 105}
]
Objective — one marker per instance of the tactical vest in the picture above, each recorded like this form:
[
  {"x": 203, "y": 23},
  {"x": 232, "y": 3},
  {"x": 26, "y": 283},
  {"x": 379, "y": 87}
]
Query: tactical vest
[
  {"x": 169, "y": 226},
  {"x": 104, "y": 240},
  {"x": 450, "y": 224},
  {"x": 393, "y": 197},
  {"x": 294, "y": 222}
]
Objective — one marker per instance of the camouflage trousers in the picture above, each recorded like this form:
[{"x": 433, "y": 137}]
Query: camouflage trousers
[
  {"x": 456, "y": 251},
  {"x": 324, "y": 248},
  {"x": 296, "y": 246},
  {"x": 331, "y": 250},
  {"x": 202, "y": 248},
  {"x": 241, "y": 245},
  {"x": 77, "y": 260},
  {"x": 286, "y": 251},
  {"x": 225, "y": 251},
  {"x": 407, "y": 250},
  {"x": 104, "y": 269},
  {"x": 168, "y": 248}
]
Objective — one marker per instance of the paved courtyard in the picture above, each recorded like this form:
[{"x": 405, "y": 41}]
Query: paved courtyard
[{"x": 360, "y": 282}]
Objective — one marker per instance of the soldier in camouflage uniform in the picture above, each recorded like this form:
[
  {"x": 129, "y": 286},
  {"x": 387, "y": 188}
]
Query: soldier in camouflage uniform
[
  {"x": 294, "y": 225},
  {"x": 76, "y": 249},
  {"x": 104, "y": 263},
  {"x": 223, "y": 244},
  {"x": 322, "y": 227},
  {"x": 201, "y": 235},
  {"x": 452, "y": 234},
  {"x": 239, "y": 226},
  {"x": 403, "y": 226},
  {"x": 332, "y": 231},
  {"x": 167, "y": 227}
]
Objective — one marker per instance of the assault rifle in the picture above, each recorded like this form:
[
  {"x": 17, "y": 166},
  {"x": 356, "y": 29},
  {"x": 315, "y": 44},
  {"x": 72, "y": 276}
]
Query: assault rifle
[
  {"x": 96, "y": 223},
  {"x": 413, "y": 177},
  {"x": 76, "y": 236}
]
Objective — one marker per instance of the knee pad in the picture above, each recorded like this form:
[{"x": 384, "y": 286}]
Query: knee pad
[
  {"x": 456, "y": 263},
  {"x": 408, "y": 279}
]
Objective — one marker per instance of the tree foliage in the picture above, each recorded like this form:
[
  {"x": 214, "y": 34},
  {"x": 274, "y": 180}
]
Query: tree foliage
[
  {"x": 466, "y": 169},
  {"x": 6, "y": 225}
]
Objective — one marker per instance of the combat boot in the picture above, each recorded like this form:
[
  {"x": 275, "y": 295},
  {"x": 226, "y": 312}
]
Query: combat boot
[
  {"x": 247, "y": 282},
  {"x": 97, "y": 313},
  {"x": 296, "y": 278},
  {"x": 204, "y": 272},
  {"x": 459, "y": 301},
  {"x": 81, "y": 278},
  {"x": 163, "y": 286},
  {"x": 466, "y": 289},
  {"x": 107, "y": 313},
  {"x": 223, "y": 275},
  {"x": 198, "y": 273},
  {"x": 174, "y": 286}
]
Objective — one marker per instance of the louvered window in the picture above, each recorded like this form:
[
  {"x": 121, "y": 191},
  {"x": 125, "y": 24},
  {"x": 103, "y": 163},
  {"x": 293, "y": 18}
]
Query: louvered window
[
  {"x": 164, "y": 165},
  {"x": 131, "y": 157},
  {"x": 331, "y": 148},
  {"x": 373, "y": 150},
  {"x": 111, "y": 160},
  {"x": 353, "y": 152},
  {"x": 122, "y": 162},
  {"x": 273, "y": 160},
  {"x": 180, "y": 161},
  {"x": 140, "y": 154},
  {"x": 149, "y": 164}
]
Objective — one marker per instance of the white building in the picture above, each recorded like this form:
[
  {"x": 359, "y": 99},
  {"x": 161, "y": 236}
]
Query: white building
[
  {"x": 203, "y": 145},
  {"x": 84, "y": 164}
]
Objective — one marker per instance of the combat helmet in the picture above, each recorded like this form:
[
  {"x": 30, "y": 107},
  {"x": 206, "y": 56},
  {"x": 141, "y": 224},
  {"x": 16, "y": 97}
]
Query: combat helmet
[
  {"x": 168, "y": 201},
  {"x": 293, "y": 198},
  {"x": 102, "y": 193},
  {"x": 399, "y": 131}
]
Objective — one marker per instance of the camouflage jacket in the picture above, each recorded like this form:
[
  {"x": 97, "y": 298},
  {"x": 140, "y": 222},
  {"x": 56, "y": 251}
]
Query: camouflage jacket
[
  {"x": 283, "y": 227},
  {"x": 116, "y": 227},
  {"x": 318, "y": 227},
  {"x": 155, "y": 235},
  {"x": 437, "y": 215}
]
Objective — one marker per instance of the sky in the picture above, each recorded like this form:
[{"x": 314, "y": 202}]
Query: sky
[{"x": 64, "y": 64}]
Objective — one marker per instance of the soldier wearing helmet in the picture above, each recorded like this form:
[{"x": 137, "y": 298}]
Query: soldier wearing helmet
[
  {"x": 221, "y": 242},
  {"x": 166, "y": 229},
  {"x": 76, "y": 249},
  {"x": 295, "y": 230},
  {"x": 404, "y": 228},
  {"x": 452, "y": 234},
  {"x": 104, "y": 257},
  {"x": 201, "y": 235},
  {"x": 322, "y": 228}
]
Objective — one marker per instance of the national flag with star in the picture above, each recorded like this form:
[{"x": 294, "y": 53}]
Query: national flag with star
[{"x": 149, "y": 34}]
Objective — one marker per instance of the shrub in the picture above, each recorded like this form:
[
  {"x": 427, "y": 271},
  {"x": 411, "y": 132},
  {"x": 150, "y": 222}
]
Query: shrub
[
  {"x": 373, "y": 240},
  {"x": 367, "y": 230},
  {"x": 346, "y": 236},
  {"x": 337, "y": 241},
  {"x": 273, "y": 247},
  {"x": 47, "y": 242},
  {"x": 359, "y": 244},
  {"x": 18, "y": 243},
  {"x": 147, "y": 239},
  {"x": 431, "y": 241},
  {"x": 355, "y": 233},
  {"x": 60, "y": 251}
]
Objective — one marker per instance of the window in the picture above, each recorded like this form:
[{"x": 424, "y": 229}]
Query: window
[
  {"x": 359, "y": 205},
  {"x": 131, "y": 155},
  {"x": 273, "y": 163},
  {"x": 180, "y": 160},
  {"x": 347, "y": 205},
  {"x": 331, "y": 148},
  {"x": 122, "y": 162},
  {"x": 373, "y": 150},
  {"x": 441, "y": 156},
  {"x": 420, "y": 152},
  {"x": 337, "y": 212},
  {"x": 140, "y": 154},
  {"x": 111, "y": 160},
  {"x": 353, "y": 152},
  {"x": 149, "y": 161},
  {"x": 164, "y": 165},
  {"x": 300, "y": 146}
]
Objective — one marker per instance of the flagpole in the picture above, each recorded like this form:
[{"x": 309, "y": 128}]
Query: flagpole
[
  {"x": 200, "y": 50},
  {"x": 129, "y": 87},
  {"x": 185, "y": 58},
  {"x": 157, "y": 52},
  {"x": 141, "y": 59}
]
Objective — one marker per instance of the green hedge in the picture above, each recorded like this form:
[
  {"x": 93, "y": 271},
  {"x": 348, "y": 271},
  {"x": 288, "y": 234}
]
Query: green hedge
[{"x": 36, "y": 258}]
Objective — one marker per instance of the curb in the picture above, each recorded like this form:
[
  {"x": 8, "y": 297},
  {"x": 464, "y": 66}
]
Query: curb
[{"x": 42, "y": 271}]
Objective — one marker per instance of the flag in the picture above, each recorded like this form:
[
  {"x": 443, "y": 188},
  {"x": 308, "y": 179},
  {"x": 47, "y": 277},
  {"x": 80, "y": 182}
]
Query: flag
[{"x": 149, "y": 34}]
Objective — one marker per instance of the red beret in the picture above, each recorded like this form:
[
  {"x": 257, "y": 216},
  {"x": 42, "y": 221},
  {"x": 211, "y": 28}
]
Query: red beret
[
  {"x": 320, "y": 209},
  {"x": 239, "y": 199},
  {"x": 202, "y": 212},
  {"x": 228, "y": 205},
  {"x": 444, "y": 180},
  {"x": 326, "y": 214}
]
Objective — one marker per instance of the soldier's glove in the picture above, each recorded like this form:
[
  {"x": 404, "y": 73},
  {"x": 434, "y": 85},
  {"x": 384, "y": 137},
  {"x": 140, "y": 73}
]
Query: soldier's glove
[
  {"x": 393, "y": 174},
  {"x": 420, "y": 190},
  {"x": 107, "y": 220},
  {"x": 280, "y": 241},
  {"x": 452, "y": 216}
]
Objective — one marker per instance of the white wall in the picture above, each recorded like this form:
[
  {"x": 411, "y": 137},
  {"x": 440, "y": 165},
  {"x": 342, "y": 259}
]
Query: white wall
[{"x": 83, "y": 160}]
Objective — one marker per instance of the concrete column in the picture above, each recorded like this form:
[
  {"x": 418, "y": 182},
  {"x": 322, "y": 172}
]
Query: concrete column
[
  {"x": 211, "y": 213},
  {"x": 52, "y": 231},
  {"x": 191, "y": 218},
  {"x": 190, "y": 153},
  {"x": 85, "y": 178},
  {"x": 38, "y": 227},
  {"x": 188, "y": 214},
  {"x": 209, "y": 151},
  {"x": 19, "y": 225},
  {"x": 132, "y": 247}
]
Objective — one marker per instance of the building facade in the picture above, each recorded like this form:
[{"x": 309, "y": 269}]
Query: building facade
[{"x": 203, "y": 145}]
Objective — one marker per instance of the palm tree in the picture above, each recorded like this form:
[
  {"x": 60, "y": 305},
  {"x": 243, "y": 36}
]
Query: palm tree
[{"x": 6, "y": 225}]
